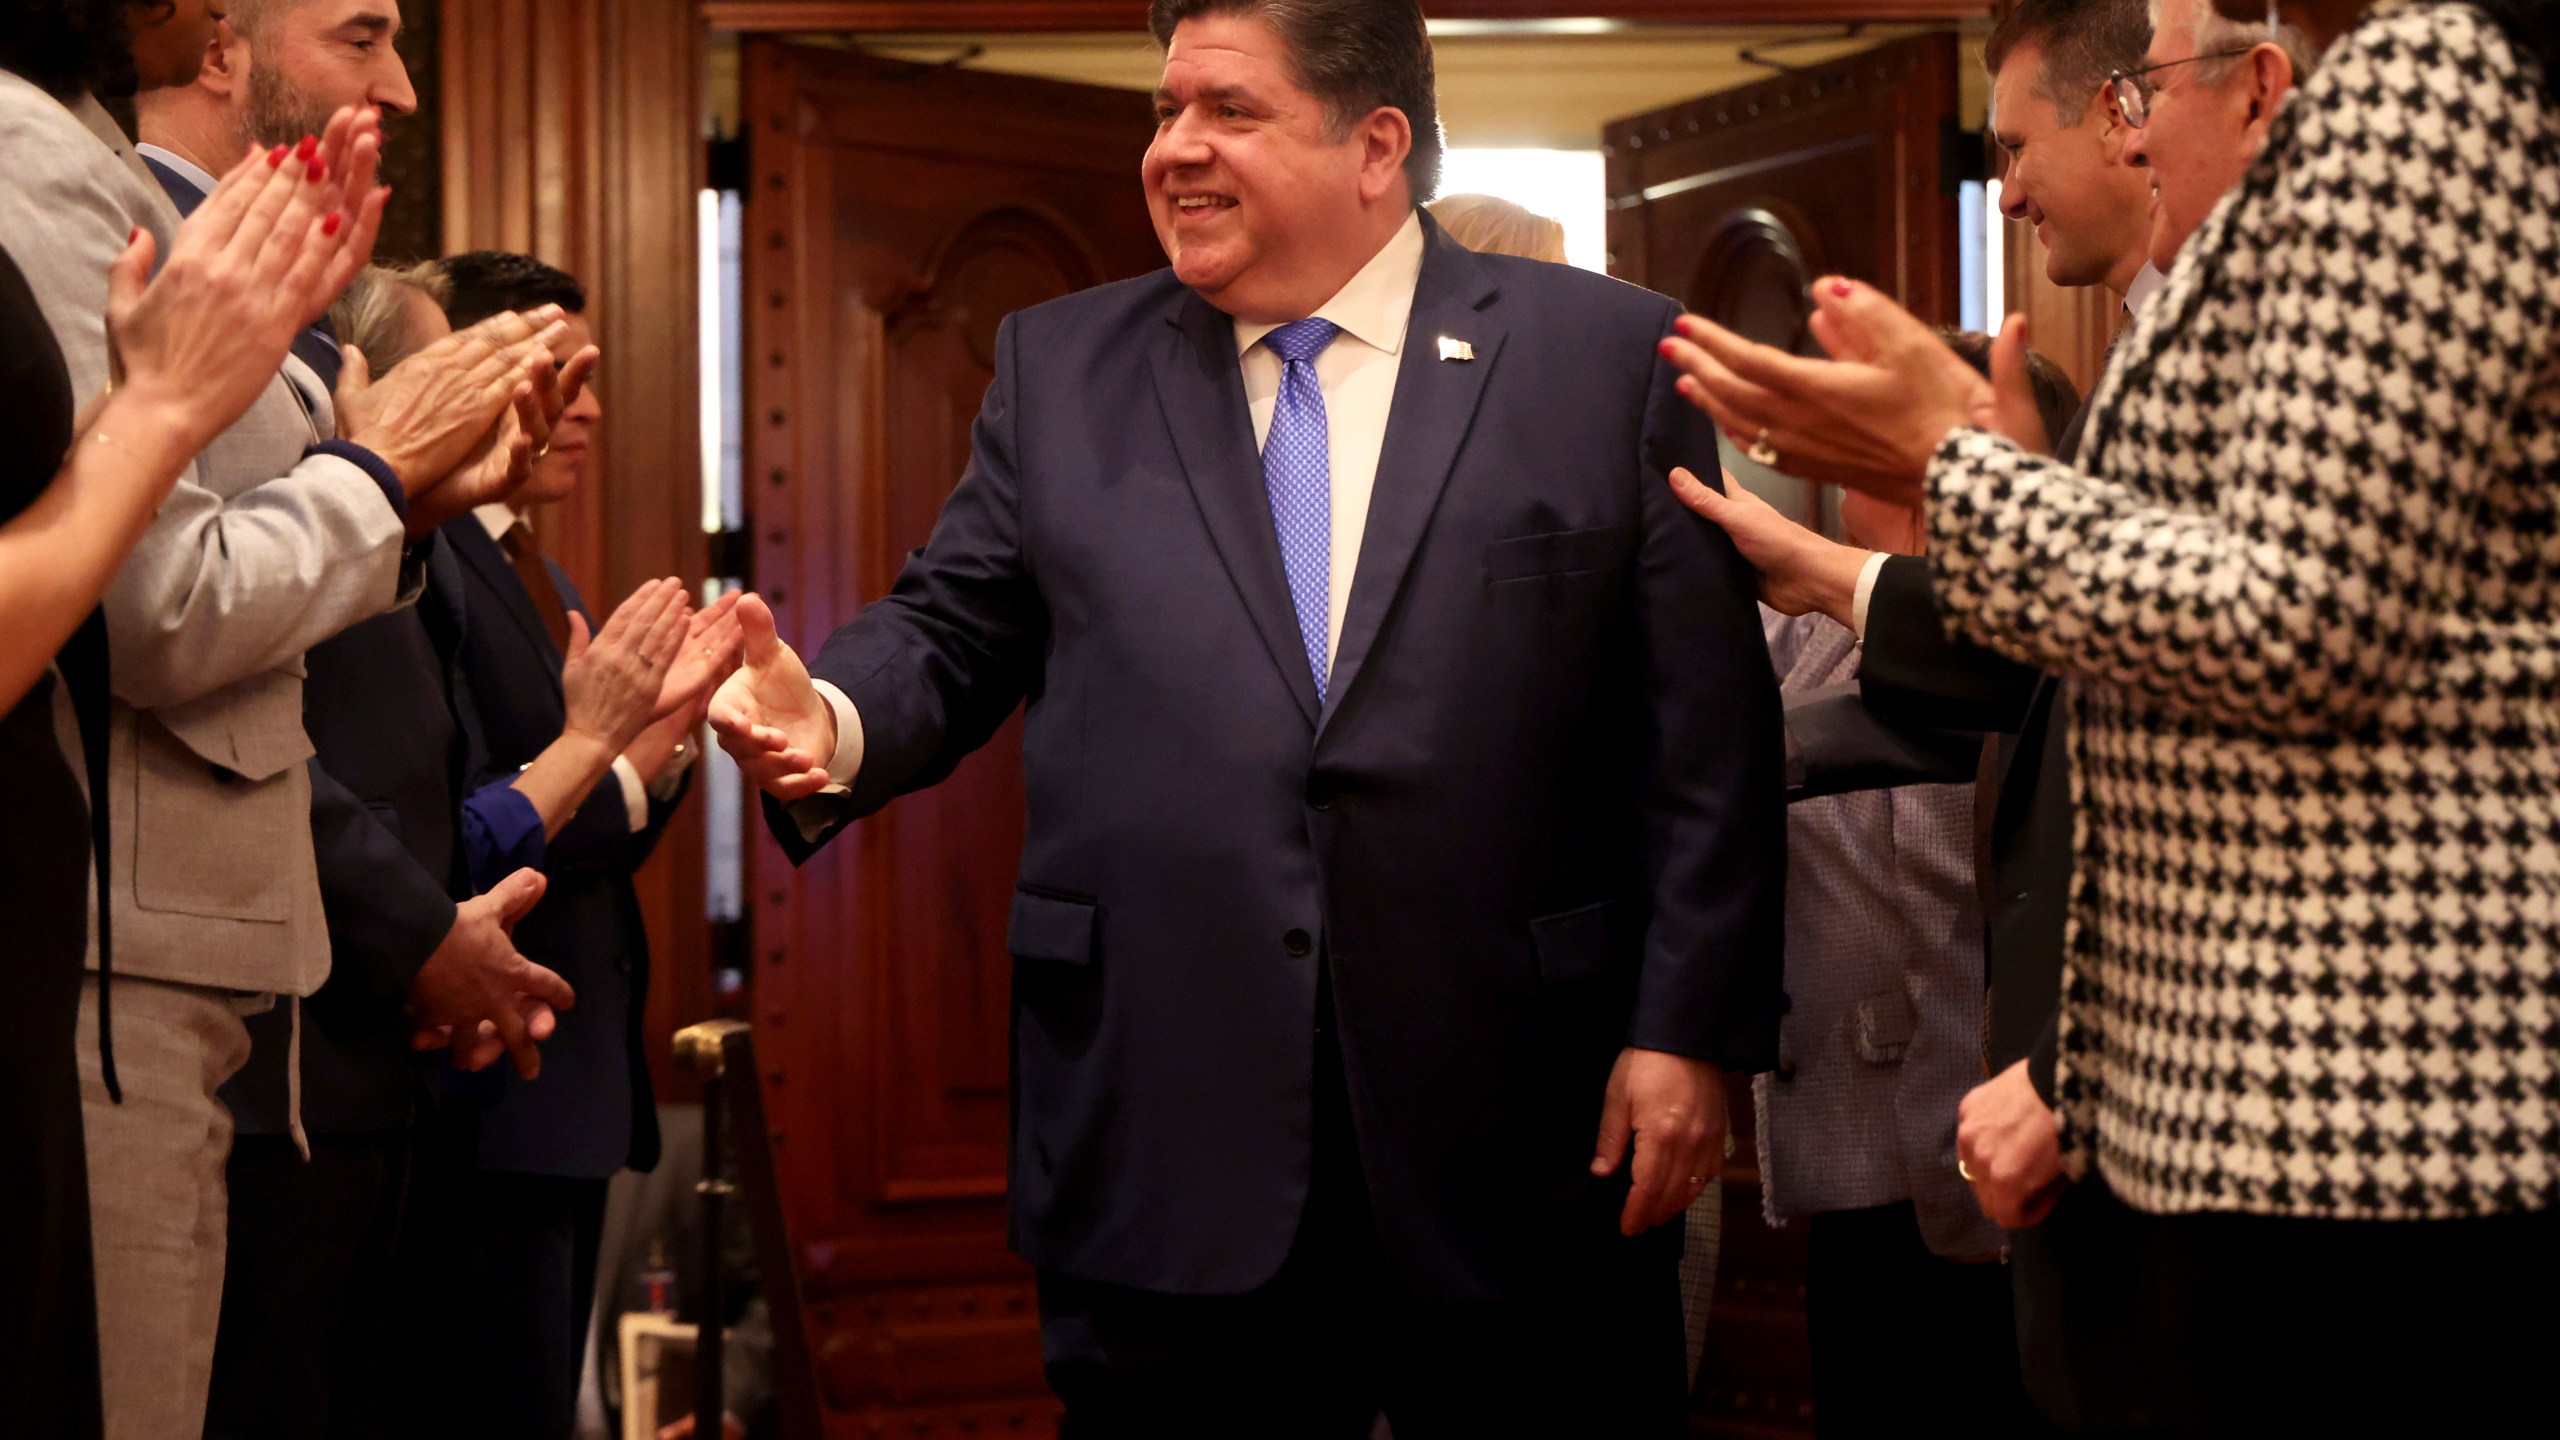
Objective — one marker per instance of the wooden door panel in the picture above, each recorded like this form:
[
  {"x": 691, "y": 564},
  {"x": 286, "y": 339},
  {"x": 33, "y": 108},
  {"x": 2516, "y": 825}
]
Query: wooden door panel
[
  {"x": 898, "y": 214},
  {"x": 1734, "y": 204}
]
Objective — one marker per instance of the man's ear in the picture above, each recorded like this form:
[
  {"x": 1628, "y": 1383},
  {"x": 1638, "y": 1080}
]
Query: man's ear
[
  {"x": 226, "y": 62},
  {"x": 2113, "y": 133},
  {"x": 2270, "y": 81},
  {"x": 1386, "y": 142}
]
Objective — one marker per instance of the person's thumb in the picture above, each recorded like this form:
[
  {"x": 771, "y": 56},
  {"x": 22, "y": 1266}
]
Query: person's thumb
[
  {"x": 1617, "y": 1123},
  {"x": 355, "y": 373},
  {"x": 578, "y": 637},
  {"x": 1708, "y": 500},
  {"x": 517, "y": 894},
  {"x": 130, "y": 275},
  {"x": 755, "y": 622},
  {"x": 2013, "y": 383}
]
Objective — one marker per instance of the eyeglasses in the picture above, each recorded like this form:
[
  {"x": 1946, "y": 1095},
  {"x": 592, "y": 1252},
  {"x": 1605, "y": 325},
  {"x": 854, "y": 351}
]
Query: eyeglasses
[{"x": 2133, "y": 88}]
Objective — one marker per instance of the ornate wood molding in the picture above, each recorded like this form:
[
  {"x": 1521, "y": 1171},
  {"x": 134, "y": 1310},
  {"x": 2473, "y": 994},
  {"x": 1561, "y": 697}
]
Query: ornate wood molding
[{"x": 1031, "y": 15}]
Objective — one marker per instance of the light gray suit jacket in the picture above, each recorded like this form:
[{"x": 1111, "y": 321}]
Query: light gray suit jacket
[
  {"x": 258, "y": 555},
  {"x": 1883, "y": 1030}
]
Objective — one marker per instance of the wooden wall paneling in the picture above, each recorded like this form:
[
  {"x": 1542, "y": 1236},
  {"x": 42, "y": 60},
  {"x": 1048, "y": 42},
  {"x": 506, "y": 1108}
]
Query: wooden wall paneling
[
  {"x": 816, "y": 16},
  {"x": 572, "y": 131}
]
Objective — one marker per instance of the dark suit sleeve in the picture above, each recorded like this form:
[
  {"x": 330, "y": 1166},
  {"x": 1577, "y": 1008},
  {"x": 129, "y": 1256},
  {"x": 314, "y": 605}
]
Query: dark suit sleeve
[
  {"x": 1715, "y": 807},
  {"x": 934, "y": 668},
  {"x": 1837, "y": 744},
  {"x": 1915, "y": 676},
  {"x": 385, "y": 913}
]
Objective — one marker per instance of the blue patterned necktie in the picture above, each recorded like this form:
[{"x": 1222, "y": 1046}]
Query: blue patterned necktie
[{"x": 1297, "y": 472}]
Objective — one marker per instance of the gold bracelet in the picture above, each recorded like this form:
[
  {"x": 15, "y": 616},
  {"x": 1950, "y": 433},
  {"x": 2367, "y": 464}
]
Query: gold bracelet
[{"x": 103, "y": 438}]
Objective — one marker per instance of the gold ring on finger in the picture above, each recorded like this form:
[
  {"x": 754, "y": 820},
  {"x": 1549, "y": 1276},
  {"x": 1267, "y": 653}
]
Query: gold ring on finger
[
  {"x": 1762, "y": 452},
  {"x": 1963, "y": 1173}
]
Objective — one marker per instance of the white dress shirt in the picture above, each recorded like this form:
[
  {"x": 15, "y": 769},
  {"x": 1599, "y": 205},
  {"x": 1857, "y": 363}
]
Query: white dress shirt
[
  {"x": 1357, "y": 372},
  {"x": 498, "y": 520},
  {"x": 2146, "y": 283}
]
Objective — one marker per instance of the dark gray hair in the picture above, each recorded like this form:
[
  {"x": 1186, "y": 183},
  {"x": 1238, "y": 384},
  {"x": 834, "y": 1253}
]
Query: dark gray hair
[
  {"x": 2084, "y": 41},
  {"x": 1355, "y": 55}
]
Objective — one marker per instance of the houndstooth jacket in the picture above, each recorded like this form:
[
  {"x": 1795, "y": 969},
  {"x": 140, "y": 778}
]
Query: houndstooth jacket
[{"x": 2308, "y": 577}]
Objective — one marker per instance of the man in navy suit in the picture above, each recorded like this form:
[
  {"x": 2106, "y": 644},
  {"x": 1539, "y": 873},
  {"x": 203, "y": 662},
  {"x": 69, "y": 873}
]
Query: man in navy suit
[
  {"x": 512, "y": 1190},
  {"x": 1404, "y": 771}
]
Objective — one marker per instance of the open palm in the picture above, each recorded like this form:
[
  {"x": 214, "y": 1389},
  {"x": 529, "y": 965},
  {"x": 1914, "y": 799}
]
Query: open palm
[{"x": 770, "y": 717}]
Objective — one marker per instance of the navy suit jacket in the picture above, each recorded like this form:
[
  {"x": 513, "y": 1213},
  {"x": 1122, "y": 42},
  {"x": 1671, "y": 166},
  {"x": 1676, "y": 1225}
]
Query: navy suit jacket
[
  {"x": 591, "y": 1112},
  {"x": 1539, "y": 818}
]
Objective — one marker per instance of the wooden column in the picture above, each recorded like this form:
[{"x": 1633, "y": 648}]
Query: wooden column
[{"x": 572, "y": 132}]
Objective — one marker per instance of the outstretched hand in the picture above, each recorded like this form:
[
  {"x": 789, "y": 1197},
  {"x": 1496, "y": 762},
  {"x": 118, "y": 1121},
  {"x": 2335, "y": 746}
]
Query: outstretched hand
[
  {"x": 1799, "y": 570},
  {"x": 770, "y": 717}
]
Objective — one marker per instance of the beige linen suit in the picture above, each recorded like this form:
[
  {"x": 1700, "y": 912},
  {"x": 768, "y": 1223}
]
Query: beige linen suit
[{"x": 257, "y": 555}]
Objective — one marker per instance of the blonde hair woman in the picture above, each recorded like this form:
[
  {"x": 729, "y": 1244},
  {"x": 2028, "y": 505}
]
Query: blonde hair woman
[{"x": 1490, "y": 225}]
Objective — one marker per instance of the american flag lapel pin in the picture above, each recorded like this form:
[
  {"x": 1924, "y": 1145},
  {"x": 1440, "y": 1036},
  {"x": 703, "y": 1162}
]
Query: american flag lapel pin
[{"x": 1458, "y": 350}]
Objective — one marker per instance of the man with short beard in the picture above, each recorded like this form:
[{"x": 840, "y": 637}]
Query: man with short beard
[
  {"x": 276, "y": 71},
  {"x": 307, "y": 1292}
]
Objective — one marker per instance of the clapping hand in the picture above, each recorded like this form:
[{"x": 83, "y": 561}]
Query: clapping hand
[
  {"x": 613, "y": 682},
  {"x": 770, "y": 717},
  {"x": 1872, "y": 415},
  {"x": 203, "y": 339},
  {"x": 431, "y": 418}
]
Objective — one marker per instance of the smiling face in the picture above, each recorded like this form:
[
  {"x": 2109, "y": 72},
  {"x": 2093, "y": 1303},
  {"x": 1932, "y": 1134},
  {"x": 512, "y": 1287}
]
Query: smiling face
[
  {"x": 2089, "y": 208},
  {"x": 2202, "y": 132},
  {"x": 169, "y": 44},
  {"x": 1262, "y": 207}
]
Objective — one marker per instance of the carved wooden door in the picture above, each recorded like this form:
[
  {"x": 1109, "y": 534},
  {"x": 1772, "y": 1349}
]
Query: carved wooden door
[
  {"x": 896, "y": 214},
  {"x": 1733, "y": 204}
]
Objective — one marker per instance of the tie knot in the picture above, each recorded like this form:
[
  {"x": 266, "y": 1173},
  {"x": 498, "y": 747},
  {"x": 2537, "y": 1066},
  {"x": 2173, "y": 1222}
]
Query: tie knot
[
  {"x": 1302, "y": 339},
  {"x": 518, "y": 542}
]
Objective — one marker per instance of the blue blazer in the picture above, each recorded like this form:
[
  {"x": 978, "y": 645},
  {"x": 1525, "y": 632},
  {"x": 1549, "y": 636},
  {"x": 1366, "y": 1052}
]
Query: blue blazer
[
  {"x": 1539, "y": 819},
  {"x": 591, "y": 1112}
]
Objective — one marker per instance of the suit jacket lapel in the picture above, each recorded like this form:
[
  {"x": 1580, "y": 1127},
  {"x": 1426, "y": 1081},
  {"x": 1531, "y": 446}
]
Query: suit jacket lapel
[
  {"x": 1435, "y": 405},
  {"x": 1201, "y": 385},
  {"x": 482, "y": 554}
]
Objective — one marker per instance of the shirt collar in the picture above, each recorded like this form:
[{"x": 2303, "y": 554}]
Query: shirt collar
[
  {"x": 497, "y": 519},
  {"x": 194, "y": 173},
  {"x": 1377, "y": 306},
  {"x": 2145, "y": 284}
]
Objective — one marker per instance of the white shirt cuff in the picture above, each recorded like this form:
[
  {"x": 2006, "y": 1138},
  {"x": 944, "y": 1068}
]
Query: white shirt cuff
[
  {"x": 847, "y": 761},
  {"x": 813, "y": 814},
  {"x": 1866, "y": 591},
  {"x": 635, "y": 795}
]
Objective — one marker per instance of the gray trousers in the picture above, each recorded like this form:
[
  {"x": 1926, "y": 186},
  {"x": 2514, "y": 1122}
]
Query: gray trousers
[{"x": 157, "y": 1202}]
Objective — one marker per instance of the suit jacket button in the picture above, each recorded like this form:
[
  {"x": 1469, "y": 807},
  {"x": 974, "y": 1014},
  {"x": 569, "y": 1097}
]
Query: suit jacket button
[
  {"x": 1319, "y": 795},
  {"x": 1297, "y": 943}
]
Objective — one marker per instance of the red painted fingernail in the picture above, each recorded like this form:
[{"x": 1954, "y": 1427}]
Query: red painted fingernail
[
  {"x": 330, "y": 225},
  {"x": 309, "y": 147},
  {"x": 319, "y": 171},
  {"x": 276, "y": 156},
  {"x": 133, "y": 234},
  {"x": 1843, "y": 289}
]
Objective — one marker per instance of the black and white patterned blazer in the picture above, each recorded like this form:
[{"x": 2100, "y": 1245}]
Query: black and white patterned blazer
[{"x": 2307, "y": 577}]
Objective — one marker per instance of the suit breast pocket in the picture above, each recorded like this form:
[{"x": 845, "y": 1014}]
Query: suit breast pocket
[
  {"x": 210, "y": 840},
  {"x": 1556, "y": 555}
]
